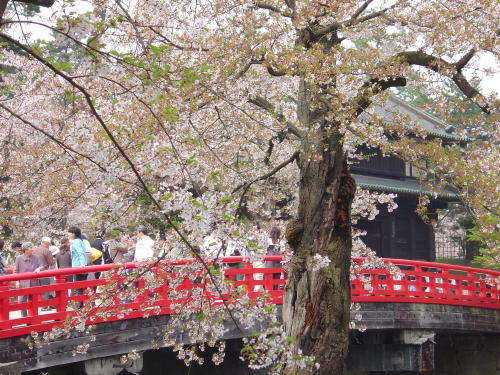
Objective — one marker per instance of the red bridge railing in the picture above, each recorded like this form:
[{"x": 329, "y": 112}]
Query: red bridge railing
[{"x": 418, "y": 282}]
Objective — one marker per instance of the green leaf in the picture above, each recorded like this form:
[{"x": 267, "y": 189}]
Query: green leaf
[{"x": 214, "y": 176}]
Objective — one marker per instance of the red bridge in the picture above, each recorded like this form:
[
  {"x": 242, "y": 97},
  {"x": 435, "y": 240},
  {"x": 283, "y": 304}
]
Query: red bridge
[{"x": 418, "y": 282}]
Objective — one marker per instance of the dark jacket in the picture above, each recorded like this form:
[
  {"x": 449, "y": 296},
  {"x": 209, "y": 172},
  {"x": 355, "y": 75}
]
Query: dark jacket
[{"x": 64, "y": 257}]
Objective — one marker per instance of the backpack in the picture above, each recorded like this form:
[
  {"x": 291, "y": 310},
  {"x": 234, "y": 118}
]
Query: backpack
[{"x": 105, "y": 253}]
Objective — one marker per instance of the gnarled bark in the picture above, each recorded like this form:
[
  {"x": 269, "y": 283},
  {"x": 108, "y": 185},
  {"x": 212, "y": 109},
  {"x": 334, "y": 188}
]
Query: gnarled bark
[{"x": 316, "y": 303}]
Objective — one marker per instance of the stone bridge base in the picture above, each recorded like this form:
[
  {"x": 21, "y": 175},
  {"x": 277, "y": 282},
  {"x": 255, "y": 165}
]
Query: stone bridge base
[
  {"x": 404, "y": 338},
  {"x": 447, "y": 354},
  {"x": 387, "y": 354}
]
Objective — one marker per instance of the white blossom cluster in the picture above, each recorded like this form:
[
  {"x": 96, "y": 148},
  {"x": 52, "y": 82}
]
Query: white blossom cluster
[
  {"x": 319, "y": 261},
  {"x": 272, "y": 349}
]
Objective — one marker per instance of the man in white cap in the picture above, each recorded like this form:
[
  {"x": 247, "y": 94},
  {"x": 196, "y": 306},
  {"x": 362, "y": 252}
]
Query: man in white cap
[{"x": 48, "y": 262}]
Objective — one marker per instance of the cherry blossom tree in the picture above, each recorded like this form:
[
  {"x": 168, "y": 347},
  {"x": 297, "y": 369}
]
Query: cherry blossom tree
[{"x": 214, "y": 113}]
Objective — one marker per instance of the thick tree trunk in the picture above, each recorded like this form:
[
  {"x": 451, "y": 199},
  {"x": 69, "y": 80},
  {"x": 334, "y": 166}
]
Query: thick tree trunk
[{"x": 316, "y": 303}]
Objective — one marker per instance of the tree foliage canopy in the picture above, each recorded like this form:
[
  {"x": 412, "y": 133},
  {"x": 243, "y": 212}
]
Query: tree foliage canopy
[{"x": 211, "y": 111}]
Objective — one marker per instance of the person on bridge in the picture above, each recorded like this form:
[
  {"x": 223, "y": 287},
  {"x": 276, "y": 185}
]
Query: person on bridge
[
  {"x": 117, "y": 246},
  {"x": 48, "y": 261},
  {"x": 27, "y": 262},
  {"x": 98, "y": 242},
  {"x": 63, "y": 259},
  {"x": 144, "y": 246},
  {"x": 16, "y": 247},
  {"x": 275, "y": 247},
  {"x": 78, "y": 256},
  {"x": 3, "y": 271}
]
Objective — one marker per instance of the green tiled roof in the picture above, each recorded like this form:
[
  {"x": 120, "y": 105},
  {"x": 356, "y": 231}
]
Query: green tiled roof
[
  {"x": 409, "y": 186},
  {"x": 430, "y": 124}
]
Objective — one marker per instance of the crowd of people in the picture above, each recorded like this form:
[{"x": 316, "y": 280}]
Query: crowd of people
[{"x": 75, "y": 250}]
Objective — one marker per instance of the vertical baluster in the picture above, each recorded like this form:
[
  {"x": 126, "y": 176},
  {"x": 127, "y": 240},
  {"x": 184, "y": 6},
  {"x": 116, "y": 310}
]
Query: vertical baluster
[
  {"x": 421, "y": 280},
  {"x": 446, "y": 284},
  {"x": 465, "y": 286}
]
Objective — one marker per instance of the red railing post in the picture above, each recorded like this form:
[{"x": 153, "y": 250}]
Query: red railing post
[
  {"x": 248, "y": 277},
  {"x": 4, "y": 302},
  {"x": 61, "y": 294}
]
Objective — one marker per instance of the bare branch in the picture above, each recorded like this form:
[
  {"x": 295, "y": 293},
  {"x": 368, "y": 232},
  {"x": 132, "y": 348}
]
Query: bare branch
[
  {"x": 271, "y": 173},
  {"x": 369, "y": 16},
  {"x": 261, "y": 61},
  {"x": 361, "y": 9},
  {"x": 274, "y": 72},
  {"x": 437, "y": 64},
  {"x": 261, "y": 102},
  {"x": 247, "y": 66},
  {"x": 290, "y": 3},
  {"x": 3, "y": 6},
  {"x": 465, "y": 59},
  {"x": 316, "y": 34},
  {"x": 42, "y": 3},
  {"x": 263, "y": 5},
  {"x": 371, "y": 88}
]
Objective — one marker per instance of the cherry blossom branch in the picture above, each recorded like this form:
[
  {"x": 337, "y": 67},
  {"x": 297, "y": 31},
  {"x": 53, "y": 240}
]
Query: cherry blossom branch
[
  {"x": 131, "y": 21},
  {"x": 176, "y": 45},
  {"x": 239, "y": 108},
  {"x": 76, "y": 41},
  {"x": 59, "y": 143}
]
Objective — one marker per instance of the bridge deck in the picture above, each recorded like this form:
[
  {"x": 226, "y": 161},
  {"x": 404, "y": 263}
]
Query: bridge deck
[{"x": 176, "y": 284}]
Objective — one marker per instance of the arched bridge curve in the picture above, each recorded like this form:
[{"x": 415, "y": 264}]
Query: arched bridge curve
[{"x": 423, "y": 296}]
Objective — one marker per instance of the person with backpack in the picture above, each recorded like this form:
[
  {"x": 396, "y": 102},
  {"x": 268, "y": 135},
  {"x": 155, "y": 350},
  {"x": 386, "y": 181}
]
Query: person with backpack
[{"x": 116, "y": 248}]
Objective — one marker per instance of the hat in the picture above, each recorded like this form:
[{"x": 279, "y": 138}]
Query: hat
[
  {"x": 26, "y": 245},
  {"x": 54, "y": 250},
  {"x": 142, "y": 229},
  {"x": 46, "y": 239}
]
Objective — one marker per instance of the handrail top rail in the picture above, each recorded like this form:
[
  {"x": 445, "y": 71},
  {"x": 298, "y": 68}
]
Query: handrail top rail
[
  {"x": 423, "y": 263},
  {"x": 130, "y": 265},
  {"x": 231, "y": 259}
]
